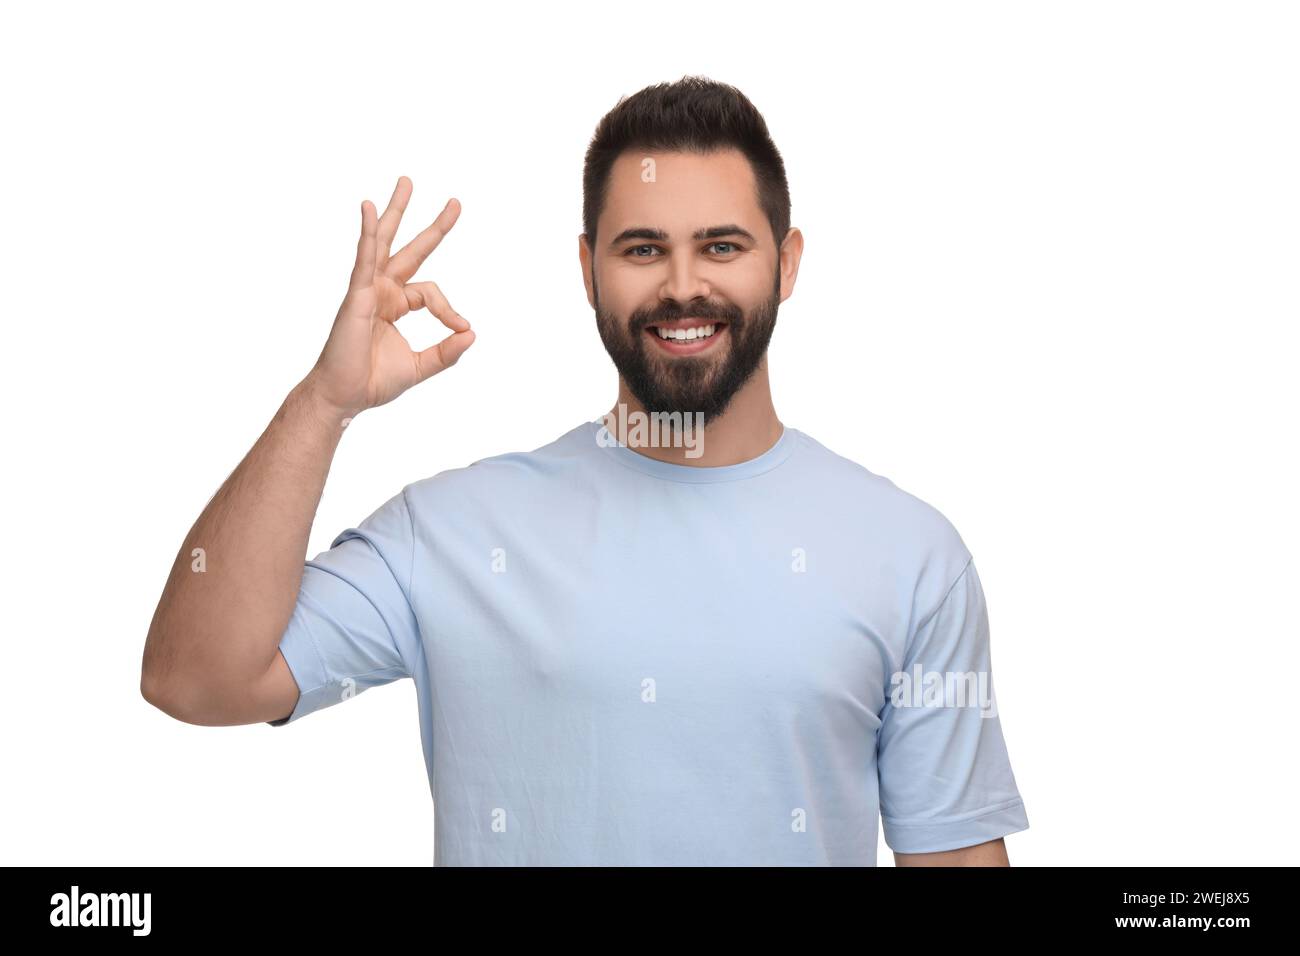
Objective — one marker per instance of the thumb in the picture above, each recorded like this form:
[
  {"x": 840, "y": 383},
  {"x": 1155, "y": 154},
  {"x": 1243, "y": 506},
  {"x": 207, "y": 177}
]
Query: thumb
[{"x": 435, "y": 358}]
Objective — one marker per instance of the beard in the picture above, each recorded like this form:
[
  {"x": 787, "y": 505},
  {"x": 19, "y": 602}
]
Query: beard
[{"x": 688, "y": 384}]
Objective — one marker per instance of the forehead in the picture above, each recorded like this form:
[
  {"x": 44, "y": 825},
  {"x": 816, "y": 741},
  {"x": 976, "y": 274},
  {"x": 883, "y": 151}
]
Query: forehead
[{"x": 681, "y": 192}]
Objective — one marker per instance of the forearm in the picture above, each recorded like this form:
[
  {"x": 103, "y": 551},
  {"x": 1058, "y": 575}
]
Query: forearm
[{"x": 235, "y": 580}]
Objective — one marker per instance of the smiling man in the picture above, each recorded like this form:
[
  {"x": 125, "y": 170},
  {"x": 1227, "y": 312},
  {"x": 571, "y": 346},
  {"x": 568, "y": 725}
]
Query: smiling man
[
  {"x": 628, "y": 652},
  {"x": 689, "y": 309}
]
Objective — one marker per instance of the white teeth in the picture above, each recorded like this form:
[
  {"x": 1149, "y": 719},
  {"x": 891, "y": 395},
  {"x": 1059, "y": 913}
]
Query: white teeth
[{"x": 686, "y": 335}]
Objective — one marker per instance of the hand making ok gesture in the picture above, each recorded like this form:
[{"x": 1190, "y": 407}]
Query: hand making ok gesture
[{"x": 366, "y": 362}]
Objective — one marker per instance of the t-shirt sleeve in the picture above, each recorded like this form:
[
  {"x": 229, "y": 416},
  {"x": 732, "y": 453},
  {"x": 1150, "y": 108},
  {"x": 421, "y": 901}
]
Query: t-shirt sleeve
[
  {"x": 353, "y": 626},
  {"x": 945, "y": 777}
]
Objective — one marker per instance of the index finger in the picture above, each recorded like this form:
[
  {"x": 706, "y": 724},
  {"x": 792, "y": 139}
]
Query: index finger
[{"x": 403, "y": 265}]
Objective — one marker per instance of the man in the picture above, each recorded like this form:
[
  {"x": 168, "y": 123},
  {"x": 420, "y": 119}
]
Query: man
[{"x": 642, "y": 643}]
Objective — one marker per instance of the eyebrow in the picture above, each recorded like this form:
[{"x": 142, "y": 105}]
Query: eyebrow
[{"x": 658, "y": 235}]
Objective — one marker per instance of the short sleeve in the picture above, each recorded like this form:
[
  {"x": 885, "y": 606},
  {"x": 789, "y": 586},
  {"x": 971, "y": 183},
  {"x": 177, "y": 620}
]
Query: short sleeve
[
  {"x": 353, "y": 627},
  {"x": 945, "y": 776}
]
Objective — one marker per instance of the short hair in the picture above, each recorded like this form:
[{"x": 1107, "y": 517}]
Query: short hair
[{"x": 694, "y": 114}]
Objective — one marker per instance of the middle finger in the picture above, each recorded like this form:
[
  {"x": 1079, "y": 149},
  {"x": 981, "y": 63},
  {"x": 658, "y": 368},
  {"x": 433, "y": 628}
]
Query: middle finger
[{"x": 390, "y": 220}]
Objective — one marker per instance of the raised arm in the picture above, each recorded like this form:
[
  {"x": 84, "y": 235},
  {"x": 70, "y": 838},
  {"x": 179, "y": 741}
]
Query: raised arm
[{"x": 212, "y": 656}]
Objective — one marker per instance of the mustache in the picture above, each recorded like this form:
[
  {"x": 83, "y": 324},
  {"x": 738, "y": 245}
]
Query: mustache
[{"x": 703, "y": 311}]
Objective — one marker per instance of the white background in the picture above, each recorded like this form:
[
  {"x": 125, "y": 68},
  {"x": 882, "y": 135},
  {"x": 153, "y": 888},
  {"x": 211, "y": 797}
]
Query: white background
[{"x": 1049, "y": 286}]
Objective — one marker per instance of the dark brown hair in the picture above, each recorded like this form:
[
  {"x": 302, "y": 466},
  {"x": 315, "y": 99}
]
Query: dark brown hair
[{"x": 694, "y": 114}]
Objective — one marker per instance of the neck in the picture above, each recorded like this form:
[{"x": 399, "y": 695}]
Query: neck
[{"x": 746, "y": 429}]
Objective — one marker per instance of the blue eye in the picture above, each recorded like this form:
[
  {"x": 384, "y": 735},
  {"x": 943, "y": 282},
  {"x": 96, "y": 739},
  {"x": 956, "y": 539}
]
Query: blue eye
[{"x": 631, "y": 253}]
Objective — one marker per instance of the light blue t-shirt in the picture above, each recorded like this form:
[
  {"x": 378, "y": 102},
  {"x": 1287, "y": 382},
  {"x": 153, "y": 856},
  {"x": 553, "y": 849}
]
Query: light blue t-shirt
[{"x": 622, "y": 661}]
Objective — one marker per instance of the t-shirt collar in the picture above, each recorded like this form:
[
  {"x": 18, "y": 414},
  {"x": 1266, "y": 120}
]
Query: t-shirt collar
[{"x": 671, "y": 471}]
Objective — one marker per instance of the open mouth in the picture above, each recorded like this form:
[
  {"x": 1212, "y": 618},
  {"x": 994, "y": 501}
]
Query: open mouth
[{"x": 687, "y": 337}]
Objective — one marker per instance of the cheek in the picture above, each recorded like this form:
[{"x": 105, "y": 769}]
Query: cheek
[
  {"x": 741, "y": 286},
  {"x": 620, "y": 293}
]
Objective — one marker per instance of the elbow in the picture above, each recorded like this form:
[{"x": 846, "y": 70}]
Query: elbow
[
  {"x": 167, "y": 696},
  {"x": 201, "y": 704},
  {"x": 156, "y": 693},
  {"x": 160, "y": 680}
]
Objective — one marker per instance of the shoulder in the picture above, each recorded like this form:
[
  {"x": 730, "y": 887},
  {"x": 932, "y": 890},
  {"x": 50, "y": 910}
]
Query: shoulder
[
  {"x": 906, "y": 529},
  {"x": 505, "y": 476}
]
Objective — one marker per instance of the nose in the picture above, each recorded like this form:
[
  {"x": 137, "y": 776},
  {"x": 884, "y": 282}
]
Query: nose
[{"x": 684, "y": 282}]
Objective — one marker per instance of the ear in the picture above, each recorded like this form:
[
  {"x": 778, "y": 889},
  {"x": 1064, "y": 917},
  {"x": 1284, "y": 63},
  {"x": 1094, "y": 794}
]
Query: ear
[
  {"x": 788, "y": 257},
  {"x": 584, "y": 257}
]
